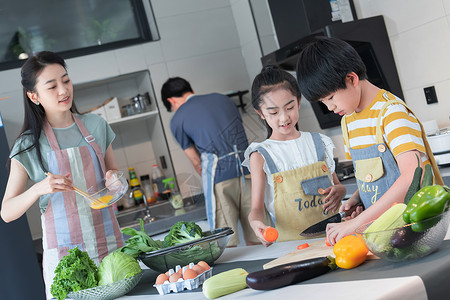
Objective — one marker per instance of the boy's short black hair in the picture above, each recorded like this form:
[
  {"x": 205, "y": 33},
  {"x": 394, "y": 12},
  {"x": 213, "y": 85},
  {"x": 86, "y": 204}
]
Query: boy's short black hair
[
  {"x": 174, "y": 87},
  {"x": 323, "y": 66}
]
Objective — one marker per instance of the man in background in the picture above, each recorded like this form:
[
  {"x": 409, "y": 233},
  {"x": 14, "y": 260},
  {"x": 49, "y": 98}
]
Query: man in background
[{"x": 209, "y": 130}]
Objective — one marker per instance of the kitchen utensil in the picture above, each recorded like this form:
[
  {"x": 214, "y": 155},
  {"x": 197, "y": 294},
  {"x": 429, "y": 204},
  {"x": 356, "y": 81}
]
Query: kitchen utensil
[
  {"x": 111, "y": 193},
  {"x": 402, "y": 243},
  {"x": 209, "y": 248},
  {"x": 316, "y": 248},
  {"x": 320, "y": 227},
  {"x": 108, "y": 195},
  {"x": 82, "y": 193},
  {"x": 110, "y": 291}
]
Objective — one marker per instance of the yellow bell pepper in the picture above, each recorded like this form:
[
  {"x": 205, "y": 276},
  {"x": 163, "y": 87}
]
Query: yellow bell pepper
[{"x": 350, "y": 252}]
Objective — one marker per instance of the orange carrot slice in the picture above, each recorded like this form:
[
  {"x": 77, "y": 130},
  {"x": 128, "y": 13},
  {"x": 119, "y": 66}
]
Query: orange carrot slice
[
  {"x": 270, "y": 234},
  {"x": 302, "y": 246}
]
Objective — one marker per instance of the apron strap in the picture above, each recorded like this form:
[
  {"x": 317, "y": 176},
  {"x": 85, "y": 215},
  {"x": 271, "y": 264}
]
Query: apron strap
[
  {"x": 87, "y": 136},
  {"x": 269, "y": 161},
  {"x": 429, "y": 153},
  {"x": 345, "y": 132},
  {"x": 319, "y": 146},
  {"x": 50, "y": 136},
  {"x": 90, "y": 139}
]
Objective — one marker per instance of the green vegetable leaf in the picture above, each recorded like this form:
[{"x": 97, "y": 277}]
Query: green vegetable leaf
[
  {"x": 182, "y": 232},
  {"x": 117, "y": 266},
  {"x": 75, "y": 271},
  {"x": 139, "y": 242}
]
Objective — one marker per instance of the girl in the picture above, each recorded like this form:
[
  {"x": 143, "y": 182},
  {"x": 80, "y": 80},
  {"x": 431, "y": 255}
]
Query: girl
[
  {"x": 292, "y": 171},
  {"x": 76, "y": 151}
]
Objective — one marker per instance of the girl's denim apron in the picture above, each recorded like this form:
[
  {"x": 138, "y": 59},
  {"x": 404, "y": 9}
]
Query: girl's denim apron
[{"x": 298, "y": 193}]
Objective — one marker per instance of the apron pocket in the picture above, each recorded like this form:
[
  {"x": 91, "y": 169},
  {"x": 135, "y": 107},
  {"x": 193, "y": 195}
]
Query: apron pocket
[
  {"x": 315, "y": 185},
  {"x": 369, "y": 170}
]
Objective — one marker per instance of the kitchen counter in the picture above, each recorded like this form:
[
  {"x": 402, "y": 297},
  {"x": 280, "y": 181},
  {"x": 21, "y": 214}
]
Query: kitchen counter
[{"x": 425, "y": 278}]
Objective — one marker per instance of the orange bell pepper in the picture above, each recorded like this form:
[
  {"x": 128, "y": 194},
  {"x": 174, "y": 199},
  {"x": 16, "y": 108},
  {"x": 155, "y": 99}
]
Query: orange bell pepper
[{"x": 350, "y": 252}]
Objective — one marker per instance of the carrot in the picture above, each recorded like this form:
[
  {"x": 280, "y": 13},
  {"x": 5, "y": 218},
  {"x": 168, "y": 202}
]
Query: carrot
[
  {"x": 302, "y": 246},
  {"x": 270, "y": 234}
]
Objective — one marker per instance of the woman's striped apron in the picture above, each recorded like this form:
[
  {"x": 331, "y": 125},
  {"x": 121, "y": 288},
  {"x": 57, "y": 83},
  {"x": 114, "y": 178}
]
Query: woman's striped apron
[{"x": 68, "y": 220}]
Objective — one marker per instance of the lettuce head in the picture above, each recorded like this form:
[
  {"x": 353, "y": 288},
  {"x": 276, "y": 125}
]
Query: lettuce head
[
  {"x": 75, "y": 271},
  {"x": 117, "y": 266}
]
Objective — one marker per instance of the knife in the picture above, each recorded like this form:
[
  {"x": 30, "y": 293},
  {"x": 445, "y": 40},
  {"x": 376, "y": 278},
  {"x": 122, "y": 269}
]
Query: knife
[{"x": 320, "y": 227}]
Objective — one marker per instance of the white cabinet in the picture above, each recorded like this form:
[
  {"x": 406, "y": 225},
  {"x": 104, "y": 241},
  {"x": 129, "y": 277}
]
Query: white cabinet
[{"x": 140, "y": 139}]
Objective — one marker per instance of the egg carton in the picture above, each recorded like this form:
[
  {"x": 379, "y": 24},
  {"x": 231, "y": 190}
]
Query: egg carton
[{"x": 183, "y": 284}]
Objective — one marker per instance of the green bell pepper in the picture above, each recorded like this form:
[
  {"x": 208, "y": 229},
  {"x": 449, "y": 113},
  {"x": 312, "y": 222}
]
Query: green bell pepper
[{"x": 428, "y": 202}]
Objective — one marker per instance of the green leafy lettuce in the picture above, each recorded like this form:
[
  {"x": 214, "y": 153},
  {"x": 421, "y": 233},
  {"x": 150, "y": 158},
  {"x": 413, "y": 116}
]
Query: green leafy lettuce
[
  {"x": 75, "y": 271},
  {"x": 139, "y": 242},
  {"x": 117, "y": 266}
]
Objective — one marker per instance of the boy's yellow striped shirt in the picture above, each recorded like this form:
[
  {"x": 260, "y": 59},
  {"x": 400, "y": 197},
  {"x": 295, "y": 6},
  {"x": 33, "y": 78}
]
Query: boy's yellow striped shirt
[{"x": 400, "y": 128}]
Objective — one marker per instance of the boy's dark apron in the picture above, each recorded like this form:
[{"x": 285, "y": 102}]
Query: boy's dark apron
[
  {"x": 375, "y": 166},
  {"x": 298, "y": 193}
]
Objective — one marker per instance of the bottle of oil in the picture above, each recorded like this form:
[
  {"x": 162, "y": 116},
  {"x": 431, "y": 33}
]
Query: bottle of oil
[{"x": 134, "y": 183}]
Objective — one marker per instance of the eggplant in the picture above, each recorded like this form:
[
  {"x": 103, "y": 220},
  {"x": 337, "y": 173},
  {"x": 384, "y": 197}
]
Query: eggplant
[
  {"x": 405, "y": 237},
  {"x": 290, "y": 273}
]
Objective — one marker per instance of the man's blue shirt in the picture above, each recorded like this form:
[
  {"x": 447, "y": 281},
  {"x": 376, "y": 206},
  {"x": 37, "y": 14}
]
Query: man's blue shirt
[{"x": 213, "y": 124}]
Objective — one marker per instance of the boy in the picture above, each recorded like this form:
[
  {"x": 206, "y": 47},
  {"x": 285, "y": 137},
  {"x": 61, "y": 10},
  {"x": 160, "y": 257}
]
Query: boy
[{"x": 381, "y": 135}]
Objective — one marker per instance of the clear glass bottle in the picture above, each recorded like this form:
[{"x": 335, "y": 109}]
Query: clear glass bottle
[
  {"x": 128, "y": 201},
  {"x": 157, "y": 182},
  {"x": 175, "y": 197},
  {"x": 147, "y": 187}
]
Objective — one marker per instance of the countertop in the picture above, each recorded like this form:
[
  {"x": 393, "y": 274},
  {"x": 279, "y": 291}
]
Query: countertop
[
  {"x": 375, "y": 279},
  {"x": 424, "y": 278}
]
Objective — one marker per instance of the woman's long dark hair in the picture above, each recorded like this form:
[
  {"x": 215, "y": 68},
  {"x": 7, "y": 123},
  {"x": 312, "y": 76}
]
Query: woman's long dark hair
[
  {"x": 272, "y": 78},
  {"x": 35, "y": 114}
]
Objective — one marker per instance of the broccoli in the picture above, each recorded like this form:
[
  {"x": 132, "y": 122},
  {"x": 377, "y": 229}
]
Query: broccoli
[{"x": 182, "y": 232}]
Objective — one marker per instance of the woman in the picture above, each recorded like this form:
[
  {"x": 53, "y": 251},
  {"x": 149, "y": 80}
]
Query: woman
[{"x": 73, "y": 150}]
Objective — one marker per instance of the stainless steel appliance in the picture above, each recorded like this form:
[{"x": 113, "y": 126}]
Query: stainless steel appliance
[
  {"x": 20, "y": 274},
  {"x": 440, "y": 146}
]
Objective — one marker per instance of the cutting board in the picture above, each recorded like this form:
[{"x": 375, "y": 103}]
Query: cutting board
[{"x": 315, "y": 249}]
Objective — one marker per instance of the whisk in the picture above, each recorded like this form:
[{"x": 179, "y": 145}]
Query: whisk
[{"x": 95, "y": 202}]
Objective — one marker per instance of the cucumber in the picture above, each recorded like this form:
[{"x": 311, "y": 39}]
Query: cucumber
[
  {"x": 290, "y": 273},
  {"x": 427, "y": 179},
  {"x": 415, "y": 184}
]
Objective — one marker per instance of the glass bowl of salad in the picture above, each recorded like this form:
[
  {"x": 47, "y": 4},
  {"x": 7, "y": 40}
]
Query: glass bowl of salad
[{"x": 207, "y": 249}]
